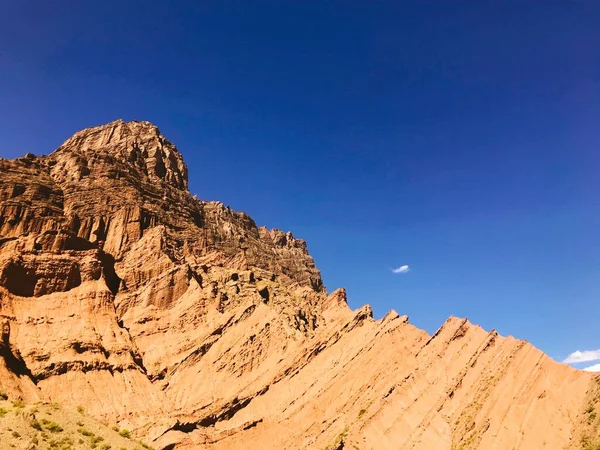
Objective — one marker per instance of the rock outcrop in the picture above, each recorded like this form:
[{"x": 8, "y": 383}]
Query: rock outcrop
[{"x": 183, "y": 321}]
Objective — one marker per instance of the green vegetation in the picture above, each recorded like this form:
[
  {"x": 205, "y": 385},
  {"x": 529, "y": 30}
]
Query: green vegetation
[
  {"x": 85, "y": 432},
  {"x": 53, "y": 427},
  {"x": 587, "y": 445},
  {"x": 95, "y": 439},
  {"x": 35, "y": 424},
  {"x": 47, "y": 426},
  {"x": 338, "y": 441},
  {"x": 18, "y": 404},
  {"x": 61, "y": 444}
]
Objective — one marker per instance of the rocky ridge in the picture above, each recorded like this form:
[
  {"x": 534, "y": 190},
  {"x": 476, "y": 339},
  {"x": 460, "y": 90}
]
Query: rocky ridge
[{"x": 184, "y": 322}]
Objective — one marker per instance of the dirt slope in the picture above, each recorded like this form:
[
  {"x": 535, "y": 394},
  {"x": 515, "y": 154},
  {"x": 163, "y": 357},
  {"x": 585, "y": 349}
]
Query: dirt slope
[
  {"x": 49, "y": 426},
  {"x": 184, "y": 322}
]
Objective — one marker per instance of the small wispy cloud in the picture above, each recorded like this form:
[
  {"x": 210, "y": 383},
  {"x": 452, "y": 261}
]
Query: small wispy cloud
[
  {"x": 402, "y": 269},
  {"x": 585, "y": 356},
  {"x": 594, "y": 368}
]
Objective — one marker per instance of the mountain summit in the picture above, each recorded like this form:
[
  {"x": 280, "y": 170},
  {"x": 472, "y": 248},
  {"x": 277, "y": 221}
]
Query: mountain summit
[{"x": 184, "y": 322}]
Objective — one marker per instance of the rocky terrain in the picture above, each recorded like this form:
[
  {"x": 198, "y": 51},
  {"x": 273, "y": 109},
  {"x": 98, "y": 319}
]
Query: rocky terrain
[
  {"x": 183, "y": 322},
  {"x": 49, "y": 426}
]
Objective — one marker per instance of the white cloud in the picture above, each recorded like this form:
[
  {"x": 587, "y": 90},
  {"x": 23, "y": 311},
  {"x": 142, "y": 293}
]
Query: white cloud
[
  {"x": 585, "y": 356},
  {"x": 402, "y": 269},
  {"x": 594, "y": 368}
]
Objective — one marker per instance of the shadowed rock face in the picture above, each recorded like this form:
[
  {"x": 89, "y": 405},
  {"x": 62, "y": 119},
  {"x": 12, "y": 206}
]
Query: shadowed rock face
[{"x": 183, "y": 321}]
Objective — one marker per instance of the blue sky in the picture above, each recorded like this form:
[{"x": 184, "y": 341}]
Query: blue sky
[{"x": 458, "y": 138}]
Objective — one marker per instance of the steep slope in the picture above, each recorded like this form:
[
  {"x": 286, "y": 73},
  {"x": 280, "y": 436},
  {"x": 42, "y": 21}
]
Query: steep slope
[{"x": 184, "y": 322}]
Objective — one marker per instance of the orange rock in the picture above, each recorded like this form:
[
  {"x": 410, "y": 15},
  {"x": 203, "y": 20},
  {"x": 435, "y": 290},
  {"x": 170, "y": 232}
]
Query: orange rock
[{"x": 188, "y": 324}]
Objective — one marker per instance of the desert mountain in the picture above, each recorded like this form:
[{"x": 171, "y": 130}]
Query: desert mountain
[{"x": 185, "y": 323}]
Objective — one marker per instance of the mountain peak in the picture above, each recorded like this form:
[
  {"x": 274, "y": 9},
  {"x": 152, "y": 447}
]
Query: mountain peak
[{"x": 137, "y": 143}]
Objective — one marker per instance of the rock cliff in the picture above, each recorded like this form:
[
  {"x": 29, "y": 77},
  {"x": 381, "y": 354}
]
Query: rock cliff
[{"x": 184, "y": 322}]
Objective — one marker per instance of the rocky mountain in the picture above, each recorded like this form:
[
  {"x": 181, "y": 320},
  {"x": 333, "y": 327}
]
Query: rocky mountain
[{"x": 187, "y": 324}]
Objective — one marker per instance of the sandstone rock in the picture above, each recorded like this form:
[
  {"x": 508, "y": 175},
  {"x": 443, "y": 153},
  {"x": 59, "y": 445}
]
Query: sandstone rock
[{"x": 186, "y": 322}]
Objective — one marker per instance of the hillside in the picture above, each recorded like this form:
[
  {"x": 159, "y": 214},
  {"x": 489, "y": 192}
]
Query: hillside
[
  {"x": 187, "y": 324},
  {"x": 49, "y": 426}
]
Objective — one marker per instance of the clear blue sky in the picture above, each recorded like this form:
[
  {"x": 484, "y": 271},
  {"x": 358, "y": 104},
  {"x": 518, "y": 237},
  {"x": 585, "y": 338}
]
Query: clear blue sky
[{"x": 459, "y": 138}]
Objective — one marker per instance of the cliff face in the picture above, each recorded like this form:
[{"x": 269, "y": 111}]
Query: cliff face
[{"x": 183, "y": 321}]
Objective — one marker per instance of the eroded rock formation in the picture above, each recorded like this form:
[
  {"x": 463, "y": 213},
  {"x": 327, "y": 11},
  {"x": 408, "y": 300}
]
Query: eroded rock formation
[{"x": 183, "y": 321}]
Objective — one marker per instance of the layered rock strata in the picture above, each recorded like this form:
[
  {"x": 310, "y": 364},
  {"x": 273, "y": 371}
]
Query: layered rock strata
[{"x": 184, "y": 322}]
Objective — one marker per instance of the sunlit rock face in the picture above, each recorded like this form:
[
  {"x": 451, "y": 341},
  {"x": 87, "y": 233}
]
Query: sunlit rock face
[{"x": 194, "y": 328}]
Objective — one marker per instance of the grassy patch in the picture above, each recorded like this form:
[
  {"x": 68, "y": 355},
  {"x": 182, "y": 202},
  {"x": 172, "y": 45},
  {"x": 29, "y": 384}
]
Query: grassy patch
[
  {"x": 96, "y": 439},
  {"x": 53, "y": 427},
  {"x": 35, "y": 424},
  {"x": 338, "y": 441},
  {"x": 20, "y": 404},
  {"x": 45, "y": 426}
]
